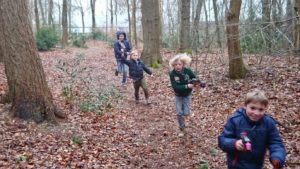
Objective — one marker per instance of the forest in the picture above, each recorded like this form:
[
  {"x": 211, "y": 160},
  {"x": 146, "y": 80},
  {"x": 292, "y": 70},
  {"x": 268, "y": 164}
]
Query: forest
[{"x": 71, "y": 73}]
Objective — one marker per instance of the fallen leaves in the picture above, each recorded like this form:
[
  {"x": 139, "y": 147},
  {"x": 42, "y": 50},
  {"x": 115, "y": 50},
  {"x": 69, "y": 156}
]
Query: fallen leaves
[{"x": 140, "y": 136}]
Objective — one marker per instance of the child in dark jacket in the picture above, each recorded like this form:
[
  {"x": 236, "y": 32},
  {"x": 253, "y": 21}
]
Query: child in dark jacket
[
  {"x": 136, "y": 72},
  {"x": 180, "y": 77},
  {"x": 248, "y": 133},
  {"x": 121, "y": 48}
]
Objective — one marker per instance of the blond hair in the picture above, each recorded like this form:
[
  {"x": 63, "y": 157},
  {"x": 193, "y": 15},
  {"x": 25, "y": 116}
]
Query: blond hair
[
  {"x": 132, "y": 52},
  {"x": 257, "y": 96},
  {"x": 182, "y": 57}
]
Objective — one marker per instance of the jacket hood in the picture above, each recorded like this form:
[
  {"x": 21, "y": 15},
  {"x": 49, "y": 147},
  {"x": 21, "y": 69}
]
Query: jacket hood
[{"x": 119, "y": 33}]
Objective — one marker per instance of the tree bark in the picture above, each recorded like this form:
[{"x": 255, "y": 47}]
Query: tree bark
[
  {"x": 134, "y": 23},
  {"x": 151, "y": 35},
  {"x": 129, "y": 21},
  {"x": 42, "y": 12},
  {"x": 184, "y": 36},
  {"x": 37, "y": 17},
  {"x": 206, "y": 26},
  {"x": 266, "y": 17},
  {"x": 50, "y": 13},
  {"x": 65, "y": 24},
  {"x": 237, "y": 69},
  {"x": 116, "y": 13},
  {"x": 297, "y": 29},
  {"x": 217, "y": 24},
  {"x": 196, "y": 24},
  {"x": 93, "y": 18},
  {"x": 111, "y": 15},
  {"x": 28, "y": 90},
  {"x": 70, "y": 15}
]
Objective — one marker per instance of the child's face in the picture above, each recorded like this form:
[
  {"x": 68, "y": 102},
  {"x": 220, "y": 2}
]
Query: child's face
[
  {"x": 255, "y": 110},
  {"x": 178, "y": 66},
  {"x": 134, "y": 56},
  {"x": 121, "y": 37}
]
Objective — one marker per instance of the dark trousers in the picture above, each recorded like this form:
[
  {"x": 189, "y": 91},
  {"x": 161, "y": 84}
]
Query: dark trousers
[{"x": 137, "y": 84}]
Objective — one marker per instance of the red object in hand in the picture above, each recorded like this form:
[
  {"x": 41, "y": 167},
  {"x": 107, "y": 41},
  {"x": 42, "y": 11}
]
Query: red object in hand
[{"x": 275, "y": 164}]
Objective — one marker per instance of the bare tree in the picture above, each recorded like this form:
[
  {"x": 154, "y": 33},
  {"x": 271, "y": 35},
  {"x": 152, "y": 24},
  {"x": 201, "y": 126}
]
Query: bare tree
[
  {"x": 151, "y": 35},
  {"x": 196, "y": 24},
  {"x": 37, "y": 17},
  {"x": 217, "y": 24},
  {"x": 50, "y": 13},
  {"x": 111, "y": 15},
  {"x": 79, "y": 4},
  {"x": 42, "y": 12},
  {"x": 93, "y": 2},
  {"x": 70, "y": 15},
  {"x": 28, "y": 90},
  {"x": 65, "y": 24},
  {"x": 297, "y": 29},
  {"x": 184, "y": 36},
  {"x": 129, "y": 20},
  {"x": 134, "y": 22},
  {"x": 116, "y": 13},
  {"x": 237, "y": 69},
  {"x": 266, "y": 18}
]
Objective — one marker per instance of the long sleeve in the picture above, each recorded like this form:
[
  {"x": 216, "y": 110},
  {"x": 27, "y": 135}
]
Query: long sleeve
[
  {"x": 117, "y": 50},
  {"x": 191, "y": 74},
  {"x": 146, "y": 69},
  {"x": 227, "y": 138},
  {"x": 276, "y": 147}
]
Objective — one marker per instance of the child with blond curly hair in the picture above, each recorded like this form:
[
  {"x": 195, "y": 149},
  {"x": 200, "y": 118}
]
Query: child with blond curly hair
[{"x": 180, "y": 77}]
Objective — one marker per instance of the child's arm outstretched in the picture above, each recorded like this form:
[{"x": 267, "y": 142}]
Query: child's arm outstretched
[
  {"x": 146, "y": 69},
  {"x": 276, "y": 147},
  {"x": 227, "y": 139}
]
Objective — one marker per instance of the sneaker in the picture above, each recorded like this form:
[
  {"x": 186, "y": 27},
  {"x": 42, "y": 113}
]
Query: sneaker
[
  {"x": 116, "y": 73},
  {"x": 181, "y": 134}
]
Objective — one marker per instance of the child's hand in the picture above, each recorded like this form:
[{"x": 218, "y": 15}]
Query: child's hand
[
  {"x": 190, "y": 86},
  {"x": 239, "y": 145},
  {"x": 151, "y": 75}
]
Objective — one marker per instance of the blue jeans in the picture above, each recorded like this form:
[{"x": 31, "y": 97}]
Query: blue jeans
[
  {"x": 182, "y": 109},
  {"x": 121, "y": 67}
]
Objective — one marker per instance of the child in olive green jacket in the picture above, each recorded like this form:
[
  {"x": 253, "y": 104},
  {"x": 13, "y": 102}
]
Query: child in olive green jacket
[{"x": 180, "y": 77}]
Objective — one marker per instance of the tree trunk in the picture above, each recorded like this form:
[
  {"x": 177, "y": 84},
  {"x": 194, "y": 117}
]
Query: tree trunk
[
  {"x": 37, "y": 18},
  {"x": 116, "y": 13},
  {"x": 111, "y": 15},
  {"x": 251, "y": 14},
  {"x": 82, "y": 19},
  {"x": 50, "y": 13},
  {"x": 28, "y": 90},
  {"x": 129, "y": 20},
  {"x": 70, "y": 15},
  {"x": 184, "y": 36},
  {"x": 134, "y": 23},
  {"x": 59, "y": 16},
  {"x": 196, "y": 22},
  {"x": 93, "y": 18},
  {"x": 65, "y": 24},
  {"x": 237, "y": 69},
  {"x": 289, "y": 15},
  {"x": 151, "y": 36},
  {"x": 42, "y": 12},
  {"x": 266, "y": 17},
  {"x": 217, "y": 23},
  {"x": 297, "y": 29},
  {"x": 206, "y": 26}
]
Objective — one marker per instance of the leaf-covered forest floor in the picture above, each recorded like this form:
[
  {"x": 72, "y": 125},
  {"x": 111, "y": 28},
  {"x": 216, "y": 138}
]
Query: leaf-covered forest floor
[{"x": 126, "y": 135}]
